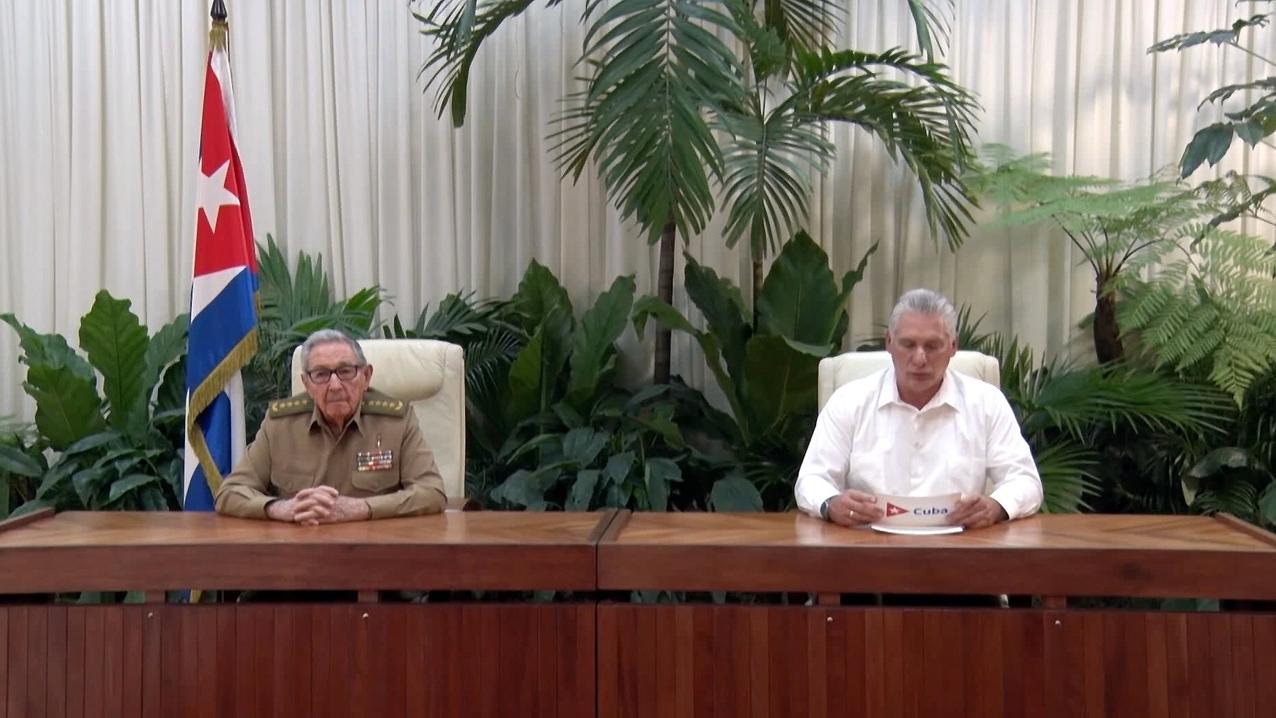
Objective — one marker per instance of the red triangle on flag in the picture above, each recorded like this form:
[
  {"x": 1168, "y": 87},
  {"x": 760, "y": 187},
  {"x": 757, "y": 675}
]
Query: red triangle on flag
[{"x": 230, "y": 242}]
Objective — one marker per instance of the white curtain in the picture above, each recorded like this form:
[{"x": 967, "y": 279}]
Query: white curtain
[{"x": 344, "y": 156}]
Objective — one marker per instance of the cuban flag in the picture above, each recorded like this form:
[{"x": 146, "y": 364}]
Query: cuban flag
[{"x": 223, "y": 326}]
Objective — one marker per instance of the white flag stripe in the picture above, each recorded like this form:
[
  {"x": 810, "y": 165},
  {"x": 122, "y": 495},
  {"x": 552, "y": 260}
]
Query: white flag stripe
[
  {"x": 188, "y": 456},
  {"x": 206, "y": 287},
  {"x": 221, "y": 68},
  {"x": 235, "y": 391}
]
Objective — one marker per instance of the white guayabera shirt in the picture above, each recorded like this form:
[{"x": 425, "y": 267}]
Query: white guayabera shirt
[{"x": 964, "y": 440}]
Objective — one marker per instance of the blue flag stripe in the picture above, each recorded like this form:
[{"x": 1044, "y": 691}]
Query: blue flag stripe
[{"x": 221, "y": 325}]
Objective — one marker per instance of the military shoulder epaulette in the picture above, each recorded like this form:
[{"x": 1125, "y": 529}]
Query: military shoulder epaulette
[
  {"x": 296, "y": 404},
  {"x": 374, "y": 402}
]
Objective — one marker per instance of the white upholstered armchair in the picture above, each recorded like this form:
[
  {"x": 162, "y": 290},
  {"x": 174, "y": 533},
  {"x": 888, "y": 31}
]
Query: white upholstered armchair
[
  {"x": 838, "y": 370},
  {"x": 430, "y": 375}
]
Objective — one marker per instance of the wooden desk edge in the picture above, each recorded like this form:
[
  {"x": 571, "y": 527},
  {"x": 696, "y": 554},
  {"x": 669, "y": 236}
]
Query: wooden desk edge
[
  {"x": 1245, "y": 527},
  {"x": 600, "y": 529},
  {"x": 614, "y": 527},
  {"x": 1048, "y": 572},
  {"x": 37, "y": 515}
]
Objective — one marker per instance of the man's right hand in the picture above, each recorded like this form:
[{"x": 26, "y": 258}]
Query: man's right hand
[
  {"x": 309, "y": 507},
  {"x": 854, "y": 508}
]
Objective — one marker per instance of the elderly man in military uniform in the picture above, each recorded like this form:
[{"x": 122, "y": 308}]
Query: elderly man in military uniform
[{"x": 338, "y": 452}]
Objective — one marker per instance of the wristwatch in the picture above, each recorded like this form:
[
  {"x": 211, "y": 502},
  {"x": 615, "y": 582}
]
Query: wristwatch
[{"x": 824, "y": 508}]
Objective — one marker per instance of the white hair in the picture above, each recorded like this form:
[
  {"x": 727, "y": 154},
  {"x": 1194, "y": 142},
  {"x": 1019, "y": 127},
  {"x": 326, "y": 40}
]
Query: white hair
[
  {"x": 928, "y": 302},
  {"x": 329, "y": 336}
]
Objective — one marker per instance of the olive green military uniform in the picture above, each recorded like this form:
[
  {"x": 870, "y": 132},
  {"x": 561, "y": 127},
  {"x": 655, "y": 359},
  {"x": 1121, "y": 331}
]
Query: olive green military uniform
[{"x": 381, "y": 456}]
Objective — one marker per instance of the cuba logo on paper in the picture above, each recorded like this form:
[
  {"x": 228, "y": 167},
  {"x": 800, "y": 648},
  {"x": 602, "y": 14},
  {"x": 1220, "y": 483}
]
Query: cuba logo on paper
[{"x": 894, "y": 510}]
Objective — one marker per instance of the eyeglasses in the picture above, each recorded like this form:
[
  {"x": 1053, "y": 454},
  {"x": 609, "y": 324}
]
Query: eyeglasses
[{"x": 323, "y": 376}]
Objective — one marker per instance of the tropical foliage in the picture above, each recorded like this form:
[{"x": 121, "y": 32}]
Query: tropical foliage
[
  {"x": 113, "y": 447},
  {"x": 550, "y": 427},
  {"x": 1184, "y": 306},
  {"x": 1077, "y": 418},
  {"x": 22, "y": 465},
  {"x": 1253, "y": 123},
  {"x": 662, "y": 77},
  {"x": 491, "y": 336},
  {"x": 293, "y": 305},
  {"x": 1209, "y": 310},
  {"x": 766, "y": 369},
  {"x": 1238, "y": 477},
  {"x": 1125, "y": 230}
]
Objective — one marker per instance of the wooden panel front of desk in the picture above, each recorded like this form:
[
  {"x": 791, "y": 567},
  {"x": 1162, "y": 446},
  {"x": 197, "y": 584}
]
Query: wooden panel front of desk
[
  {"x": 298, "y": 660},
  {"x": 706, "y": 661},
  {"x": 774, "y": 660},
  {"x": 294, "y": 659}
]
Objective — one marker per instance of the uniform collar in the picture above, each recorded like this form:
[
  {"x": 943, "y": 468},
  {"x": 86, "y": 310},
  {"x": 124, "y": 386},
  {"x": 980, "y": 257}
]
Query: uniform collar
[{"x": 317, "y": 421}]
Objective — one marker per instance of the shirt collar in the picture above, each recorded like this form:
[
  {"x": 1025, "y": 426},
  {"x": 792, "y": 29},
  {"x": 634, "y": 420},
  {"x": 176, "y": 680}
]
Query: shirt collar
[{"x": 949, "y": 393}]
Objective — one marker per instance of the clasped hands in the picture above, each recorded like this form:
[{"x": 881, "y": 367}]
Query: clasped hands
[
  {"x": 319, "y": 505},
  {"x": 856, "y": 508}
]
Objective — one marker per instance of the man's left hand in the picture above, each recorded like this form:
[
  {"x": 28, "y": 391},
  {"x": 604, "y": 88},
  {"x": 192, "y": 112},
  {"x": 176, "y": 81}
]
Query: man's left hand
[
  {"x": 976, "y": 512},
  {"x": 348, "y": 509}
]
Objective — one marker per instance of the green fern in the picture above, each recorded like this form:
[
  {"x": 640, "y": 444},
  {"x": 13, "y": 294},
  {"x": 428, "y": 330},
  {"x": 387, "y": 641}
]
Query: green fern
[
  {"x": 1209, "y": 310},
  {"x": 1121, "y": 229},
  {"x": 1073, "y": 416}
]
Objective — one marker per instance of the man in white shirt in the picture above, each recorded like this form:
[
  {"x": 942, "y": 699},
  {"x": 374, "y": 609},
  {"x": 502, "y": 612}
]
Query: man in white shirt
[{"x": 918, "y": 429}]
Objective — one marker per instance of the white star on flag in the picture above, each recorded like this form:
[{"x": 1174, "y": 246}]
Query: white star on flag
[{"x": 211, "y": 194}]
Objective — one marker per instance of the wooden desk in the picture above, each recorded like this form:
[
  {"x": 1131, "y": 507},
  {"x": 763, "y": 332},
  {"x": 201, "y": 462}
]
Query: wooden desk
[
  {"x": 1052, "y": 555},
  {"x": 833, "y": 660},
  {"x": 149, "y": 551},
  {"x": 290, "y": 659},
  {"x": 624, "y": 659}
]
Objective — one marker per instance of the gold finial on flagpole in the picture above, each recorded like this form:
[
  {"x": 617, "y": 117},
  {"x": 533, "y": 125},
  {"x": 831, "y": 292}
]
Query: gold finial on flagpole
[{"x": 218, "y": 32}]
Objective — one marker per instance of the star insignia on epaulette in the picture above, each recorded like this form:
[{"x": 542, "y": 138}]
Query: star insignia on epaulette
[
  {"x": 384, "y": 405},
  {"x": 291, "y": 405}
]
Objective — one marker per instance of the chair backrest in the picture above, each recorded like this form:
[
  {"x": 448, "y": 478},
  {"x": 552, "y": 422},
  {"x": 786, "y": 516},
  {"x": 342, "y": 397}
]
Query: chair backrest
[
  {"x": 838, "y": 370},
  {"x": 431, "y": 375}
]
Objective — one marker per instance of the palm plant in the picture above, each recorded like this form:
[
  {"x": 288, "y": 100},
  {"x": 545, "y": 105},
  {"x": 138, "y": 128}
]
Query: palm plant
[
  {"x": 294, "y": 305},
  {"x": 661, "y": 78},
  {"x": 1081, "y": 421},
  {"x": 491, "y": 333}
]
